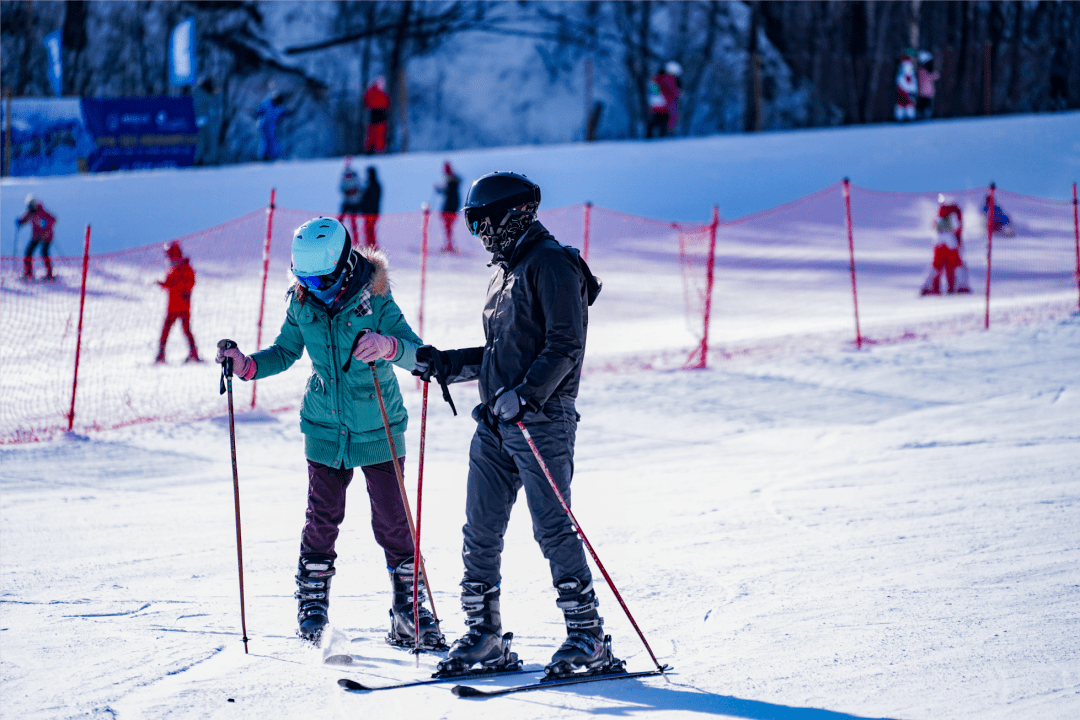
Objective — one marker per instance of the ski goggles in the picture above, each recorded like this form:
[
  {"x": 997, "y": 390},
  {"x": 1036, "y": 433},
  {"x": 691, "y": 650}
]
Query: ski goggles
[
  {"x": 475, "y": 219},
  {"x": 318, "y": 282}
]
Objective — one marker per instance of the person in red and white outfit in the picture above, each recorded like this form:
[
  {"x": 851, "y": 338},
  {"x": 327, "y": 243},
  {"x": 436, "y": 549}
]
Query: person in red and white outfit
[{"x": 949, "y": 225}]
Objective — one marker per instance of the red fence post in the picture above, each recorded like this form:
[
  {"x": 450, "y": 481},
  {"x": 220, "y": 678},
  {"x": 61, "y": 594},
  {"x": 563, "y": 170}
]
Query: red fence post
[
  {"x": 710, "y": 265},
  {"x": 851, "y": 255},
  {"x": 1076, "y": 237},
  {"x": 266, "y": 273},
  {"x": 585, "y": 243},
  {"x": 990, "y": 213},
  {"x": 78, "y": 341}
]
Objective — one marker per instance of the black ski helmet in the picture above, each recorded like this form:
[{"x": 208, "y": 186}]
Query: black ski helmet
[{"x": 495, "y": 194}]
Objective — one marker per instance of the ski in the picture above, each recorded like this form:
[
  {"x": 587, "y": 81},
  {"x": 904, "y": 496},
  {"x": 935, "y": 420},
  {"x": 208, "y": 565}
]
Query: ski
[
  {"x": 466, "y": 691},
  {"x": 354, "y": 686}
]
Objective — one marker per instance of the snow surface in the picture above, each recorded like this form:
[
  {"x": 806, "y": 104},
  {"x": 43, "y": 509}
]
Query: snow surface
[
  {"x": 802, "y": 535},
  {"x": 675, "y": 179}
]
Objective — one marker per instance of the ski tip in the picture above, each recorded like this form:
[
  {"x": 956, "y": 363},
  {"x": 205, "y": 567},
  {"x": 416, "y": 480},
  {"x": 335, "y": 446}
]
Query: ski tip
[
  {"x": 464, "y": 691},
  {"x": 350, "y": 684}
]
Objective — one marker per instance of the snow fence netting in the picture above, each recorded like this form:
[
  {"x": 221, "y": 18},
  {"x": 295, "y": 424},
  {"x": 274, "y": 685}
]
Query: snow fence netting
[
  {"x": 783, "y": 282},
  {"x": 120, "y": 384}
]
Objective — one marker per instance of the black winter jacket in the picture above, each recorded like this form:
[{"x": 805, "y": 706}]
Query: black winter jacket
[{"x": 535, "y": 321}]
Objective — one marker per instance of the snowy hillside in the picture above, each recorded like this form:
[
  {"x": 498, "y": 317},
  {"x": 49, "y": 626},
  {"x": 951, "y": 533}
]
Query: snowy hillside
[
  {"x": 803, "y": 534},
  {"x": 678, "y": 180}
]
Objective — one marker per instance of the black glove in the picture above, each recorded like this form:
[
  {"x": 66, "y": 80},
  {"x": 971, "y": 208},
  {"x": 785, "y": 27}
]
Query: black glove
[
  {"x": 431, "y": 363},
  {"x": 509, "y": 406}
]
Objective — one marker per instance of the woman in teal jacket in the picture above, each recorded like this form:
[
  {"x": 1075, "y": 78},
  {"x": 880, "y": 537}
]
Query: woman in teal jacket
[{"x": 339, "y": 294}]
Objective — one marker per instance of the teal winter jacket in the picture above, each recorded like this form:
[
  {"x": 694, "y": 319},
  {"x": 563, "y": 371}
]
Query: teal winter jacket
[{"x": 339, "y": 414}]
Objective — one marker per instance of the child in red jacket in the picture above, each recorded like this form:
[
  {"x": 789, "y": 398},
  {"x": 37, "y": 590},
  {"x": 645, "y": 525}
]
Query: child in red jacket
[
  {"x": 179, "y": 282},
  {"x": 41, "y": 225}
]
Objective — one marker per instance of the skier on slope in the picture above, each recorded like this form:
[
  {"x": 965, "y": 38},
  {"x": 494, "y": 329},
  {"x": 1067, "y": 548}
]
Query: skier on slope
[
  {"x": 535, "y": 322},
  {"x": 350, "y": 196},
  {"x": 906, "y": 87},
  {"x": 1002, "y": 222},
  {"x": 268, "y": 116},
  {"x": 369, "y": 205},
  {"x": 449, "y": 188},
  {"x": 338, "y": 293},
  {"x": 377, "y": 103},
  {"x": 948, "y": 259},
  {"x": 665, "y": 89},
  {"x": 179, "y": 281},
  {"x": 927, "y": 76},
  {"x": 41, "y": 233}
]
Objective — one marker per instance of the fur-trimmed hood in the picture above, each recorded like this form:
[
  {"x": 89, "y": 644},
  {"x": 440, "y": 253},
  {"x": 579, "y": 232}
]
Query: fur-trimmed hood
[{"x": 380, "y": 277}]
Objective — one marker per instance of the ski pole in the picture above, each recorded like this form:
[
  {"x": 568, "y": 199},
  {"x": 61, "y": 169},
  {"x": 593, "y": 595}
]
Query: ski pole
[
  {"x": 596, "y": 559},
  {"x": 226, "y": 386},
  {"x": 419, "y": 517},
  {"x": 419, "y": 560}
]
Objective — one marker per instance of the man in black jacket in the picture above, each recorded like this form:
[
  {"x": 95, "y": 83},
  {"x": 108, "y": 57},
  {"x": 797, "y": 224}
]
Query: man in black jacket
[{"x": 535, "y": 322}]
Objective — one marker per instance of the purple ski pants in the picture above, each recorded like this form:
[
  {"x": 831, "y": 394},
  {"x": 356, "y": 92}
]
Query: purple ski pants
[{"x": 326, "y": 510}]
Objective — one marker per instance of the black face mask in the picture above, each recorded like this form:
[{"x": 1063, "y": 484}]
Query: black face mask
[{"x": 499, "y": 240}]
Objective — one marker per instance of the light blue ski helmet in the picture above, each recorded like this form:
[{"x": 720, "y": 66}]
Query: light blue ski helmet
[{"x": 318, "y": 247}]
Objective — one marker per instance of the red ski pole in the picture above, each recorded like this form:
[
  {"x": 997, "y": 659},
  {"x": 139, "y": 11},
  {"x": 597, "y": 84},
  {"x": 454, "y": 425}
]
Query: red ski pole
[
  {"x": 419, "y": 511},
  {"x": 596, "y": 559}
]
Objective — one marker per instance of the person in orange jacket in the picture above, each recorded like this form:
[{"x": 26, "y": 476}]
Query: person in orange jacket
[
  {"x": 179, "y": 282},
  {"x": 377, "y": 103}
]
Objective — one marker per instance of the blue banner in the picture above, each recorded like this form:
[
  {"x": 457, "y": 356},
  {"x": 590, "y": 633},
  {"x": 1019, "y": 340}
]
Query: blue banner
[
  {"x": 140, "y": 133},
  {"x": 182, "y": 54},
  {"x": 55, "y": 71}
]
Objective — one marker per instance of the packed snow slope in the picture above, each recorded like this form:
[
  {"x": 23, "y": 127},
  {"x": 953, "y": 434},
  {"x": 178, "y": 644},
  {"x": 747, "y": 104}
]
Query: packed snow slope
[
  {"x": 674, "y": 179},
  {"x": 883, "y": 533}
]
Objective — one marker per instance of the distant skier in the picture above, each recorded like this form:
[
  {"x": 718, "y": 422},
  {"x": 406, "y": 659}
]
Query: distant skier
[
  {"x": 369, "y": 205},
  {"x": 449, "y": 188},
  {"x": 179, "y": 282},
  {"x": 535, "y": 322},
  {"x": 1002, "y": 222},
  {"x": 377, "y": 103},
  {"x": 948, "y": 258},
  {"x": 906, "y": 87},
  {"x": 340, "y": 292},
  {"x": 665, "y": 89},
  {"x": 270, "y": 112},
  {"x": 41, "y": 233},
  {"x": 927, "y": 76},
  {"x": 350, "y": 197}
]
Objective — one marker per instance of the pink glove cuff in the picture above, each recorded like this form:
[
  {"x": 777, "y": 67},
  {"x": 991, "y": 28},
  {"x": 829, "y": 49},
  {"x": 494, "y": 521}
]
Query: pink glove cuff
[
  {"x": 389, "y": 354},
  {"x": 249, "y": 369}
]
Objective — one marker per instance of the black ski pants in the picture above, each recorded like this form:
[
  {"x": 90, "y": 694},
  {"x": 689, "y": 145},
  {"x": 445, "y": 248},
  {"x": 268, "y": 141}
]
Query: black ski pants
[{"x": 500, "y": 464}]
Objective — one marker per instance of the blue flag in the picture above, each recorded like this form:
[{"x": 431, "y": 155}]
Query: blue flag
[
  {"x": 56, "y": 63},
  {"x": 182, "y": 53}
]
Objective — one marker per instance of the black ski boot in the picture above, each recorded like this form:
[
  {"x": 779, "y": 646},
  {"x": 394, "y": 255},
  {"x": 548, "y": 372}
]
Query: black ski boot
[
  {"x": 484, "y": 644},
  {"x": 402, "y": 631},
  {"x": 313, "y": 593},
  {"x": 585, "y": 646}
]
